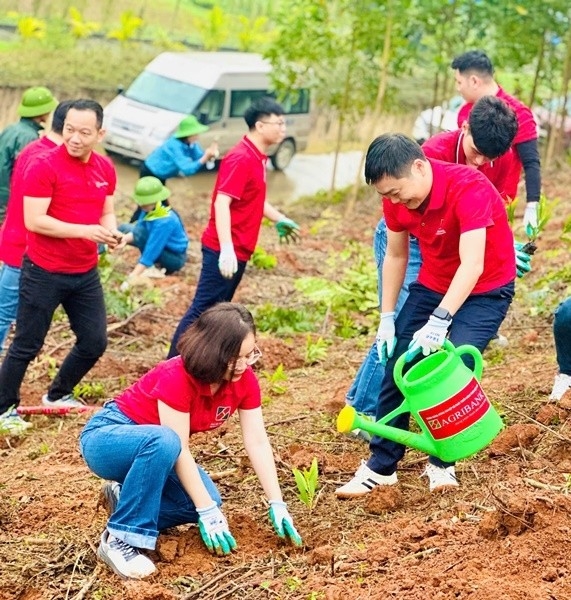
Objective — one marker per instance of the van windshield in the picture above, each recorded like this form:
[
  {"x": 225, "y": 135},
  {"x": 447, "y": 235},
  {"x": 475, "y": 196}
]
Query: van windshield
[{"x": 162, "y": 92}]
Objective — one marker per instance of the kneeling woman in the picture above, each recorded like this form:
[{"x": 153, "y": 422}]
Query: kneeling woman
[{"x": 139, "y": 441}]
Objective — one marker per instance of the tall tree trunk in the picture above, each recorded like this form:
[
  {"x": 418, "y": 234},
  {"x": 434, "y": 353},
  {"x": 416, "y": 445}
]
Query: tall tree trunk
[
  {"x": 555, "y": 141},
  {"x": 381, "y": 91},
  {"x": 538, "y": 67}
]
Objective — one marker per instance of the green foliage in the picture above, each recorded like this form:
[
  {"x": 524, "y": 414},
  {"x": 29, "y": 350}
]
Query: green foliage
[
  {"x": 213, "y": 29},
  {"x": 544, "y": 213},
  {"x": 30, "y": 28},
  {"x": 129, "y": 28},
  {"x": 285, "y": 321},
  {"x": 41, "y": 450},
  {"x": 315, "y": 351},
  {"x": 89, "y": 391},
  {"x": 276, "y": 381},
  {"x": 253, "y": 33},
  {"x": 350, "y": 292},
  {"x": 307, "y": 483},
  {"x": 80, "y": 28},
  {"x": 262, "y": 260},
  {"x": 121, "y": 304}
]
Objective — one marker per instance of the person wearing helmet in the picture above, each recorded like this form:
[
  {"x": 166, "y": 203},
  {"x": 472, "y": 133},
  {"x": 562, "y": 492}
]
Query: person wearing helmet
[
  {"x": 181, "y": 155},
  {"x": 35, "y": 107},
  {"x": 158, "y": 232}
]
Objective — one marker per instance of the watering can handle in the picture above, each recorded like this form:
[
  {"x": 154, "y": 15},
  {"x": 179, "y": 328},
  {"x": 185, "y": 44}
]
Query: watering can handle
[{"x": 447, "y": 347}]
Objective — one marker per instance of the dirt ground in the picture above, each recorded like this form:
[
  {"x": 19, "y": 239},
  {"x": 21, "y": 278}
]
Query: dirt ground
[{"x": 503, "y": 534}]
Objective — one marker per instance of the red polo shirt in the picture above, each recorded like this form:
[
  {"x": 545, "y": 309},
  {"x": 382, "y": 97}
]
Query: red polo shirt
[
  {"x": 78, "y": 191},
  {"x": 242, "y": 176},
  {"x": 13, "y": 233},
  {"x": 526, "y": 129},
  {"x": 461, "y": 200},
  {"x": 447, "y": 146},
  {"x": 169, "y": 382}
]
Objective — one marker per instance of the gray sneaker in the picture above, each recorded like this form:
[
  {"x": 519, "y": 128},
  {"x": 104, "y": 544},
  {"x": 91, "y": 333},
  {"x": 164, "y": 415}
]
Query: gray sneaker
[
  {"x": 128, "y": 562},
  {"x": 11, "y": 423},
  {"x": 67, "y": 401},
  {"x": 109, "y": 496}
]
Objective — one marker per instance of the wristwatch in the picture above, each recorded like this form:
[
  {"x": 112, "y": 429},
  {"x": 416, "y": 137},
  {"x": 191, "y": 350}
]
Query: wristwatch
[{"x": 442, "y": 313}]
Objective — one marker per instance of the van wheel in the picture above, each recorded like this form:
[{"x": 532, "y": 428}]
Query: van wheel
[{"x": 283, "y": 155}]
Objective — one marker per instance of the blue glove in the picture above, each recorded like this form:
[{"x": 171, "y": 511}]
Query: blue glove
[
  {"x": 288, "y": 230},
  {"x": 386, "y": 339},
  {"x": 214, "y": 530},
  {"x": 428, "y": 338},
  {"x": 522, "y": 260},
  {"x": 283, "y": 523}
]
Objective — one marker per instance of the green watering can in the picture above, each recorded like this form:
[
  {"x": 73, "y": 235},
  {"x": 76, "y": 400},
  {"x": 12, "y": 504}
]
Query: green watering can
[{"x": 445, "y": 399}]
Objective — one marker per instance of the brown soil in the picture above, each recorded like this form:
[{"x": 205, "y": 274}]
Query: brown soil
[{"x": 503, "y": 534}]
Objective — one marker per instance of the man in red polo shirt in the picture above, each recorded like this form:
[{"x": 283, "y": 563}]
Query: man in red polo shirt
[
  {"x": 68, "y": 211},
  {"x": 474, "y": 79},
  {"x": 464, "y": 287},
  {"x": 238, "y": 206}
]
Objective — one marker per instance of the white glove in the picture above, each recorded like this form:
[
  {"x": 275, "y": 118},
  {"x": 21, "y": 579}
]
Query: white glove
[
  {"x": 227, "y": 263},
  {"x": 386, "y": 339},
  {"x": 530, "y": 217},
  {"x": 429, "y": 338}
]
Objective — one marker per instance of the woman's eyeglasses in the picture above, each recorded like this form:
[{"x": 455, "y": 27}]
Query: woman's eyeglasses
[{"x": 251, "y": 358}]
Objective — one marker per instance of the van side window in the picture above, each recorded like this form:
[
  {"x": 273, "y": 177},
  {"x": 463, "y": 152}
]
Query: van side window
[
  {"x": 295, "y": 103},
  {"x": 211, "y": 107}
]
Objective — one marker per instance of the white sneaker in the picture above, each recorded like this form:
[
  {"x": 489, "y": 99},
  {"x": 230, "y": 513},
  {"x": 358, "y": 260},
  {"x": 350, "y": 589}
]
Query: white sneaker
[
  {"x": 561, "y": 384},
  {"x": 11, "y": 423},
  {"x": 440, "y": 478},
  {"x": 499, "y": 341},
  {"x": 68, "y": 401},
  {"x": 125, "y": 560},
  {"x": 363, "y": 482},
  {"x": 110, "y": 493}
]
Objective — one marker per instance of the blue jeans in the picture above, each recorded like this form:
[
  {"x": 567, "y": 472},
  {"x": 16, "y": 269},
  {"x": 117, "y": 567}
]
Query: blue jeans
[
  {"x": 364, "y": 390},
  {"x": 171, "y": 261},
  {"x": 475, "y": 323},
  {"x": 41, "y": 292},
  {"x": 141, "y": 458},
  {"x": 211, "y": 289},
  {"x": 9, "y": 288},
  {"x": 562, "y": 335}
]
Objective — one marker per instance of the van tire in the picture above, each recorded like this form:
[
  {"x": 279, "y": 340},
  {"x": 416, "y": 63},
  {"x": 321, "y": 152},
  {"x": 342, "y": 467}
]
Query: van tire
[{"x": 283, "y": 154}]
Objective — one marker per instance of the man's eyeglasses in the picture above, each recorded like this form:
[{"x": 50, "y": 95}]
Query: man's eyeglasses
[
  {"x": 250, "y": 358},
  {"x": 278, "y": 123}
]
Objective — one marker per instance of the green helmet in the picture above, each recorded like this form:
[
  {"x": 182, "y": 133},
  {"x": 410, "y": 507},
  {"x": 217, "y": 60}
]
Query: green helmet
[
  {"x": 149, "y": 190},
  {"x": 189, "y": 126},
  {"x": 36, "y": 101}
]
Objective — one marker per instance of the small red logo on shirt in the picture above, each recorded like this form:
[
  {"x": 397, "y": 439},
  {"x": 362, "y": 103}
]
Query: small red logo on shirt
[{"x": 222, "y": 413}]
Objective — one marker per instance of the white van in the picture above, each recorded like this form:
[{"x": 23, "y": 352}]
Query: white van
[{"x": 216, "y": 87}]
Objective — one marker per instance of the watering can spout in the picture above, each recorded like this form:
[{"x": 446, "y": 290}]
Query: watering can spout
[{"x": 348, "y": 419}]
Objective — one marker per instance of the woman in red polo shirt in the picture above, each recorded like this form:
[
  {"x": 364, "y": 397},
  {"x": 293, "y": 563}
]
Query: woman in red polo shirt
[{"x": 139, "y": 441}]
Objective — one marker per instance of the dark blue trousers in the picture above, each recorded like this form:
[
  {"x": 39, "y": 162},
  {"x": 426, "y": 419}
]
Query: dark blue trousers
[
  {"x": 211, "y": 289},
  {"x": 476, "y": 323}
]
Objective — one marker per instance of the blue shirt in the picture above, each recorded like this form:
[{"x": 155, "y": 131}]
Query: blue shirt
[
  {"x": 166, "y": 233},
  {"x": 175, "y": 158}
]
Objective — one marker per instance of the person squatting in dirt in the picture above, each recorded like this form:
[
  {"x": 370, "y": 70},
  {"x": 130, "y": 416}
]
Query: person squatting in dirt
[
  {"x": 143, "y": 435},
  {"x": 464, "y": 287},
  {"x": 238, "y": 206},
  {"x": 483, "y": 142},
  {"x": 68, "y": 211},
  {"x": 158, "y": 233}
]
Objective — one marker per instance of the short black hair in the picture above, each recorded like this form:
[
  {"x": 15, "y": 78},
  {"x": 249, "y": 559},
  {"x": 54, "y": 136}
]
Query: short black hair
[
  {"x": 59, "y": 115},
  {"x": 474, "y": 60},
  {"x": 262, "y": 107},
  {"x": 211, "y": 345},
  {"x": 493, "y": 126},
  {"x": 87, "y": 104},
  {"x": 391, "y": 155}
]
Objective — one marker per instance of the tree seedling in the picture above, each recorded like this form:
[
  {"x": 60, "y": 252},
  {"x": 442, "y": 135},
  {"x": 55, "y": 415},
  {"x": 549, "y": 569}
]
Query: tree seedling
[{"x": 307, "y": 483}]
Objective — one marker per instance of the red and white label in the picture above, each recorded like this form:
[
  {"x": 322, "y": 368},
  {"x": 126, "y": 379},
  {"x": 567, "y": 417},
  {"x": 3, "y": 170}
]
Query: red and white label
[{"x": 456, "y": 413}]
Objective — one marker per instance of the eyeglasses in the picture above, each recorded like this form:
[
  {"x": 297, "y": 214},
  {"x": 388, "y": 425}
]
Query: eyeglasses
[
  {"x": 278, "y": 123},
  {"x": 250, "y": 358}
]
